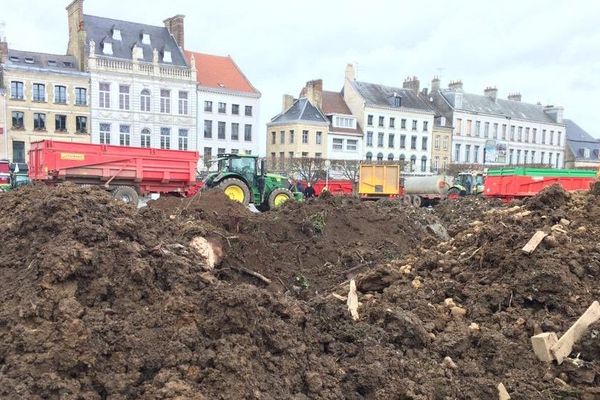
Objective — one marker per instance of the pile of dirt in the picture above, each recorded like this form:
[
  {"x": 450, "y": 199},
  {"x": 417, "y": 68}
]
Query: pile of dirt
[
  {"x": 550, "y": 198},
  {"x": 457, "y": 214}
]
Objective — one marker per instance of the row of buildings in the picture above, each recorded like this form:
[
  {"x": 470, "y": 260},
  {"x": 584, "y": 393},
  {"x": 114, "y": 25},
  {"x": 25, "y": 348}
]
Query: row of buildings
[
  {"x": 425, "y": 129},
  {"x": 129, "y": 84}
]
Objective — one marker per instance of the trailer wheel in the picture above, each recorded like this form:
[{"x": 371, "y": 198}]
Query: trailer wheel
[
  {"x": 416, "y": 201},
  {"x": 126, "y": 194},
  {"x": 278, "y": 197},
  {"x": 236, "y": 190},
  {"x": 453, "y": 194},
  {"x": 407, "y": 200}
]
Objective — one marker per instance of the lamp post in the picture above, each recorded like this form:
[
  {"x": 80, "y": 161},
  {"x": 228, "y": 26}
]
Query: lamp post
[{"x": 327, "y": 165}]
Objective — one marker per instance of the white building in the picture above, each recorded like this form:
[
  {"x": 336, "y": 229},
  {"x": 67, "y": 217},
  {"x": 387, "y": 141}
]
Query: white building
[
  {"x": 345, "y": 138},
  {"x": 143, "y": 93},
  {"x": 228, "y": 108},
  {"x": 396, "y": 122},
  {"x": 492, "y": 131}
]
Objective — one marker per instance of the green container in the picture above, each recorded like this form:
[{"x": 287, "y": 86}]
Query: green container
[{"x": 549, "y": 172}]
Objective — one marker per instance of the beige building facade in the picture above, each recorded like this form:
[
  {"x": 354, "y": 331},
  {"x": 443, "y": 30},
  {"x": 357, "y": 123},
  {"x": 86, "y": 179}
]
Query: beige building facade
[
  {"x": 46, "y": 97},
  {"x": 441, "y": 149}
]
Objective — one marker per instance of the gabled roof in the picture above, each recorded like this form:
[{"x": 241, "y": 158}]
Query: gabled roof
[
  {"x": 41, "y": 60},
  {"x": 333, "y": 103},
  {"x": 100, "y": 30},
  {"x": 506, "y": 108},
  {"x": 383, "y": 96},
  {"x": 220, "y": 72},
  {"x": 578, "y": 140},
  {"x": 301, "y": 111}
]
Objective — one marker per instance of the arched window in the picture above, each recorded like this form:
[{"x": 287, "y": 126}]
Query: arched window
[
  {"x": 402, "y": 160},
  {"x": 413, "y": 162},
  {"x": 145, "y": 100},
  {"x": 423, "y": 163},
  {"x": 379, "y": 156},
  {"x": 145, "y": 138},
  {"x": 369, "y": 156},
  {"x": 390, "y": 157}
]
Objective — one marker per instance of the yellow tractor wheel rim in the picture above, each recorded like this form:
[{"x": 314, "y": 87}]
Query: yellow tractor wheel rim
[
  {"x": 280, "y": 199},
  {"x": 235, "y": 193}
]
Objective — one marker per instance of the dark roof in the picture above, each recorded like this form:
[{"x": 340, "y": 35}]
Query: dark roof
[
  {"x": 578, "y": 140},
  {"x": 41, "y": 60},
  {"x": 506, "y": 108},
  {"x": 301, "y": 110},
  {"x": 100, "y": 29},
  {"x": 380, "y": 95}
]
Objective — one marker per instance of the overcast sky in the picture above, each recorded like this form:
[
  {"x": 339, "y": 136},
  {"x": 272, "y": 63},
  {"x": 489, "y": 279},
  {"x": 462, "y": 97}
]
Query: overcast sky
[{"x": 549, "y": 51}]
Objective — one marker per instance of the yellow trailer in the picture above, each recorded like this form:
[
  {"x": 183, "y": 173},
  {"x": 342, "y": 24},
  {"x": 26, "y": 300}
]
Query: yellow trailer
[{"x": 379, "y": 180}]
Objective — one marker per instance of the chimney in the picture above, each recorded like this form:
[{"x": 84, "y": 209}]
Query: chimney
[
  {"x": 412, "y": 84},
  {"x": 435, "y": 84},
  {"x": 514, "y": 96},
  {"x": 3, "y": 43},
  {"x": 350, "y": 74},
  {"x": 288, "y": 100},
  {"x": 554, "y": 112},
  {"x": 491, "y": 92},
  {"x": 314, "y": 92},
  {"x": 77, "y": 36},
  {"x": 424, "y": 91},
  {"x": 455, "y": 85},
  {"x": 175, "y": 28}
]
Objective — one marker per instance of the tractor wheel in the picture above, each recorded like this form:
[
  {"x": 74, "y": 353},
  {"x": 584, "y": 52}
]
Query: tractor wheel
[
  {"x": 236, "y": 190},
  {"x": 416, "y": 201},
  {"x": 453, "y": 194},
  {"x": 278, "y": 197},
  {"x": 126, "y": 194}
]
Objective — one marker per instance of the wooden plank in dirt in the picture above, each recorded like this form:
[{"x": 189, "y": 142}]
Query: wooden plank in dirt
[{"x": 533, "y": 243}]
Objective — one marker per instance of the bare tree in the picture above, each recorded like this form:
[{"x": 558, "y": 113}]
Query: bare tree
[
  {"x": 306, "y": 168},
  {"x": 349, "y": 169}
]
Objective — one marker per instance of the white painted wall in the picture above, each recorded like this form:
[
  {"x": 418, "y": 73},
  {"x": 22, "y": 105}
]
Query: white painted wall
[{"x": 345, "y": 153}]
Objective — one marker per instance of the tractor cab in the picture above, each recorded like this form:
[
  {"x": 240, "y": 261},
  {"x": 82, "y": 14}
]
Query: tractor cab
[{"x": 470, "y": 182}]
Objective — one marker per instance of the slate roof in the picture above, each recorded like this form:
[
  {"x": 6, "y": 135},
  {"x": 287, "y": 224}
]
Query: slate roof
[
  {"x": 507, "y": 108},
  {"x": 99, "y": 29},
  {"x": 220, "y": 72},
  {"x": 301, "y": 111},
  {"x": 56, "y": 62},
  {"x": 578, "y": 140},
  {"x": 383, "y": 96}
]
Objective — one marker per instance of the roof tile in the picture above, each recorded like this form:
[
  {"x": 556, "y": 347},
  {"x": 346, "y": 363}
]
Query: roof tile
[{"x": 220, "y": 72}]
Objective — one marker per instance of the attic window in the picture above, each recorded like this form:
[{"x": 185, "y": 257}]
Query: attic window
[
  {"x": 14, "y": 58},
  {"x": 68, "y": 64},
  {"x": 146, "y": 38},
  {"x": 52, "y": 63},
  {"x": 586, "y": 153},
  {"x": 116, "y": 34},
  {"x": 167, "y": 56},
  {"x": 397, "y": 101},
  {"x": 138, "y": 53},
  {"x": 107, "y": 48},
  {"x": 28, "y": 60}
]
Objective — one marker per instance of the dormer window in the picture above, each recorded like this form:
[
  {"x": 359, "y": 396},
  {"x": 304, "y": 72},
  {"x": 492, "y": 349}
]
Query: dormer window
[
  {"x": 138, "y": 53},
  {"x": 14, "y": 58},
  {"x": 344, "y": 122},
  {"x": 167, "y": 56},
  {"x": 116, "y": 34},
  {"x": 397, "y": 100},
  {"x": 28, "y": 60},
  {"x": 146, "y": 38},
  {"x": 107, "y": 48},
  {"x": 52, "y": 63},
  {"x": 586, "y": 153}
]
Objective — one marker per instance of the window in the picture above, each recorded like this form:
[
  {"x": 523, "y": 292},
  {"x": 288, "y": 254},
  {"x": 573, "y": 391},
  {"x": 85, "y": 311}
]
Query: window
[
  {"x": 369, "y": 156},
  {"x": 80, "y": 124},
  {"x": 557, "y": 160},
  {"x": 436, "y": 142},
  {"x": 414, "y": 125},
  {"x": 445, "y": 141},
  {"x": 281, "y": 137},
  {"x": 458, "y": 126},
  {"x": 235, "y": 151},
  {"x": 248, "y": 111},
  {"x": 222, "y": 108},
  {"x": 291, "y": 136},
  {"x": 104, "y": 133},
  {"x": 476, "y": 154},
  {"x": 543, "y": 136},
  {"x": 145, "y": 138},
  {"x": 60, "y": 94},
  {"x": 456, "y": 152},
  {"x": 520, "y": 134},
  {"x": 60, "y": 123},
  {"x": 525, "y": 154},
  {"x": 290, "y": 154},
  {"x": 542, "y": 154},
  {"x": 392, "y": 122},
  {"x": 486, "y": 130},
  {"x": 351, "y": 144},
  {"x": 165, "y": 101},
  {"x": 123, "y": 97},
  {"x": 477, "y": 128},
  {"x": 370, "y": 120},
  {"x": 381, "y": 121},
  {"x": 16, "y": 90},
  {"x": 413, "y": 142},
  {"x": 403, "y": 123},
  {"x": 221, "y": 130},
  {"x": 390, "y": 157},
  {"x": 207, "y": 153},
  {"x": 104, "y": 95},
  {"x": 527, "y": 135},
  {"x": 503, "y": 131},
  {"x": 402, "y": 161},
  {"x": 550, "y": 158},
  {"x": 319, "y": 137},
  {"x": 532, "y": 156},
  {"x": 17, "y": 119},
  {"x": 124, "y": 135},
  {"x": 469, "y": 122},
  {"x": 511, "y": 153},
  {"x": 467, "y": 153},
  {"x": 165, "y": 138},
  {"x": 423, "y": 163},
  {"x": 183, "y": 139},
  {"x": 413, "y": 162},
  {"x": 145, "y": 100},
  {"x": 183, "y": 103},
  {"x": 235, "y": 131},
  {"x": 248, "y": 133},
  {"x": 207, "y": 129},
  {"x": 208, "y": 108},
  {"x": 39, "y": 121},
  {"x": 379, "y": 156},
  {"x": 39, "y": 92},
  {"x": 558, "y": 137},
  {"x": 304, "y": 154},
  {"x": 370, "y": 139},
  {"x": 425, "y": 125},
  {"x": 343, "y": 122},
  {"x": 304, "y": 137},
  {"x": 534, "y": 135},
  {"x": 221, "y": 150},
  {"x": 424, "y": 143},
  {"x": 402, "y": 141},
  {"x": 167, "y": 56},
  {"x": 80, "y": 96},
  {"x": 380, "y": 136},
  {"x": 18, "y": 151},
  {"x": 273, "y": 137},
  {"x": 551, "y": 140},
  {"x": 495, "y": 131},
  {"x": 391, "y": 140},
  {"x": 235, "y": 109},
  {"x": 338, "y": 144},
  {"x": 318, "y": 155}
]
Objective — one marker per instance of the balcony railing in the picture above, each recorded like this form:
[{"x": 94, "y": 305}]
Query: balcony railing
[{"x": 142, "y": 68}]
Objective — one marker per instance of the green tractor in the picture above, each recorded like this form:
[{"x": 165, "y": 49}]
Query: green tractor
[
  {"x": 13, "y": 175},
  {"x": 244, "y": 179},
  {"x": 467, "y": 183}
]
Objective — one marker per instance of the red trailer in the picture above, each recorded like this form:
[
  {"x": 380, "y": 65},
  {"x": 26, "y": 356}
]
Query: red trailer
[
  {"x": 126, "y": 171},
  {"x": 335, "y": 186}
]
